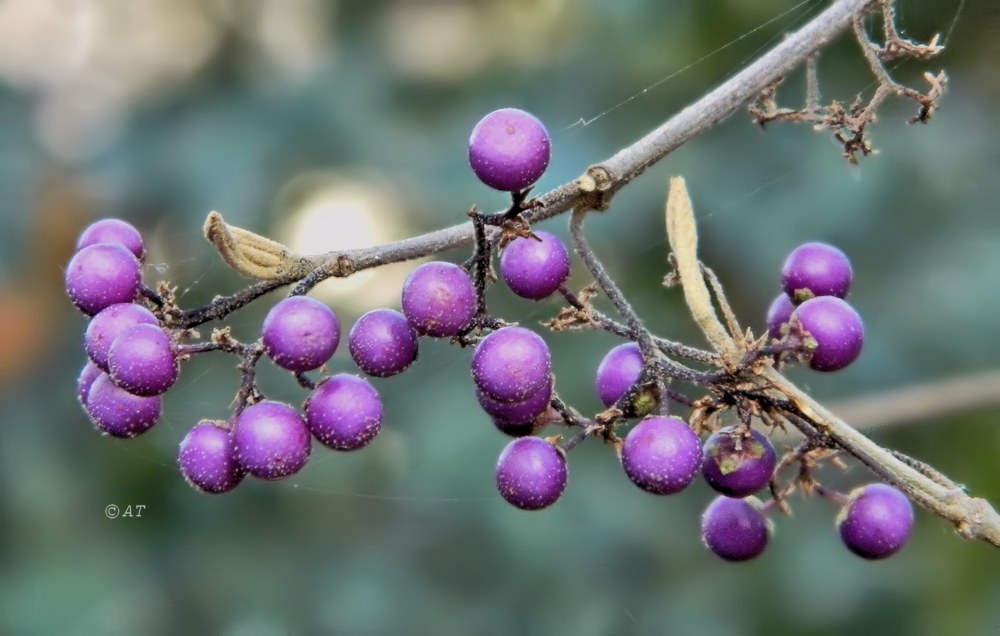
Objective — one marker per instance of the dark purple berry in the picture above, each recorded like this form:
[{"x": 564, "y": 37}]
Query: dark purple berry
[
  {"x": 736, "y": 465},
  {"x": 517, "y": 418},
  {"x": 207, "y": 460},
  {"x": 439, "y": 299},
  {"x": 344, "y": 412},
  {"x": 535, "y": 269},
  {"x": 88, "y": 375},
  {"x": 735, "y": 529},
  {"x": 108, "y": 324},
  {"x": 112, "y": 231},
  {"x": 531, "y": 473},
  {"x": 836, "y": 328},
  {"x": 383, "y": 343},
  {"x": 778, "y": 314},
  {"x": 270, "y": 440},
  {"x": 876, "y": 521},
  {"x": 511, "y": 364},
  {"x": 661, "y": 455},
  {"x": 816, "y": 269},
  {"x": 142, "y": 361},
  {"x": 118, "y": 412},
  {"x": 101, "y": 275},
  {"x": 509, "y": 149},
  {"x": 617, "y": 372},
  {"x": 300, "y": 333}
]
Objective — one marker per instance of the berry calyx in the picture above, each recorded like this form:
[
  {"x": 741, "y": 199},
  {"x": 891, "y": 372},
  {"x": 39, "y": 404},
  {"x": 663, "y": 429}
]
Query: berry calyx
[
  {"x": 778, "y": 314},
  {"x": 108, "y": 324},
  {"x": 383, "y": 343},
  {"x": 344, "y": 412},
  {"x": 837, "y": 329},
  {"x": 113, "y": 231},
  {"x": 101, "y": 275},
  {"x": 661, "y": 455},
  {"x": 816, "y": 269},
  {"x": 300, "y": 333},
  {"x": 511, "y": 364},
  {"x": 876, "y": 521},
  {"x": 531, "y": 473},
  {"x": 618, "y": 371},
  {"x": 206, "y": 458},
  {"x": 535, "y": 269},
  {"x": 271, "y": 440},
  {"x": 141, "y": 360},
  {"x": 735, "y": 529},
  {"x": 509, "y": 149},
  {"x": 439, "y": 299},
  {"x": 736, "y": 464}
]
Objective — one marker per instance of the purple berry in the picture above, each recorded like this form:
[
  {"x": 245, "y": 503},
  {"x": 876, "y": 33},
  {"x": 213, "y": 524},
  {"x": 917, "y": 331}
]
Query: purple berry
[
  {"x": 270, "y": 440},
  {"x": 618, "y": 371},
  {"x": 735, "y": 529},
  {"x": 535, "y": 269},
  {"x": 108, "y": 324},
  {"x": 300, "y": 333},
  {"x": 439, "y": 299},
  {"x": 661, "y": 455},
  {"x": 118, "y": 412},
  {"x": 517, "y": 418},
  {"x": 509, "y": 149},
  {"x": 735, "y": 465},
  {"x": 383, "y": 343},
  {"x": 876, "y": 521},
  {"x": 511, "y": 364},
  {"x": 207, "y": 460},
  {"x": 88, "y": 375},
  {"x": 101, "y": 275},
  {"x": 816, "y": 269},
  {"x": 531, "y": 473},
  {"x": 112, "y": 231},
  {"x": 141, "y": 360},
  {"x": 344, "y": 412},
  {"x": 778, "y": 314},
  {"x": 836, "y": 328}
]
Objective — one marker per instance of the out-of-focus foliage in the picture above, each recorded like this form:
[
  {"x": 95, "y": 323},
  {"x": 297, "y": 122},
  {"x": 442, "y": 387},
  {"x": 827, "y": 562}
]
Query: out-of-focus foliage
[{"x": 345, "y": 123}]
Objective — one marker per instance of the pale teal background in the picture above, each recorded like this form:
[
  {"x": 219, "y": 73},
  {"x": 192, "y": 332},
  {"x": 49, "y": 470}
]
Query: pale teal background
[{"x": 159, "y": 112}]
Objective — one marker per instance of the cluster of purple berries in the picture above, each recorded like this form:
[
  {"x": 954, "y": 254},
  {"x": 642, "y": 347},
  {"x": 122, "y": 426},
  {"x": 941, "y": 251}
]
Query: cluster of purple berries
[{"x": 816, "y": 277}]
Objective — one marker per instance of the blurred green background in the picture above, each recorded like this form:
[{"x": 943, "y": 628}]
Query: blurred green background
[{"x": 329, "y": 124}]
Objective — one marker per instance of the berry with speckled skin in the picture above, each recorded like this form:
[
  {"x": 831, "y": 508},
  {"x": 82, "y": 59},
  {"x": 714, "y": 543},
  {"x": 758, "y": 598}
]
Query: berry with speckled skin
[
  {"x": 141, "y": 360},
  {"x": 509, "y": 149},
  {"x": 344, "y": 412},
  {"x": 778, "y": 314},
  {"x": 735, "y": 465},
  {"x": 876, "y": 521},
  {"x": 383, "y": 343},
  {"x": 439, "y": 299},
  {"x": 108, "y": 324},
  {"x": 517, "y": 418},
  {"x": 661, "y": 455},
  {"x": 816, "y": 269},
  {"x": 206, "y": 458},
  {"x": 88, "y": 375},
  {"x": 618, "y": 371},
  {"x": 112, "y": 231},
  {"x": 271, "y": 440},
  {"x": 836, "y": 328},
  {"x": 511, "y": 364},
  {"x": 101, "y": 275},
  {"x": 119, "y": 413},
  {"x": 300, "y": 333},
  {"x": 531, "y": 473},
  {"x": 735, "y": 529},
  {"x": 535, "y": 269}
]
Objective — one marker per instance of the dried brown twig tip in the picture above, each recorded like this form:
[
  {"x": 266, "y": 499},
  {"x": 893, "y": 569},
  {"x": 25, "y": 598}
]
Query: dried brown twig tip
[{"x": 251, "y": 254}]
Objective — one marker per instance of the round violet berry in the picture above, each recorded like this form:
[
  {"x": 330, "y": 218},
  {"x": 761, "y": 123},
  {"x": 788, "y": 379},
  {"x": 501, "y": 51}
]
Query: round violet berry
[
  {"x": 108, "y": 324},
  {"x": 439, "y": 299},
  {"x": 735, "y": 529},
  {"x": 778, "y": 314},
  {"x": 101, "y": 275},
  {"x": 119, "y": 413},
  {"x": 112, "y": 231},
  {"x": 383, "y": 343},
  {"x": 511, "y": 364},
  {"x": 270, "y": 440},
  {"x": 141, "y": 360},
  {"x": 517, "y": 419},
  {"x": 509, "y": 149},
  {"x": 206, "y": 458},
  {"x": 535, "y": 269},
  {"x": 836, "y": 328},
  {"x": 88, "y": 375},
  {"x": 876, "y": 521},
  {"x": 300, "y": 333},
  {"x": 618, "y": 371},
  {"x": 735, "y": 465},
  {"x": 816, "y": 269},
  {"x": 531, "y": 473},
  {"x": 661, "y": 455},
  {"x": 344, "y": 412}
]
